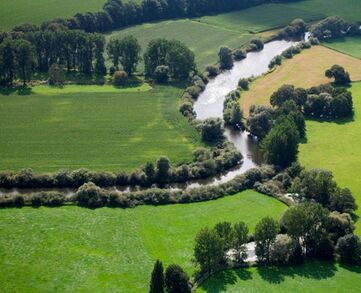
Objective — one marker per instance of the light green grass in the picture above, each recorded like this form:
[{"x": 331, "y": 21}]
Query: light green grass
[
  {"x": 15, "y": 12},
  {"x": 259, "y": 18},
  {"x": 311, "y": 277},
  {"x": 204, "y": 40},
  {"x": 73, "y": 249},
  {"x": 350, "y": 46},
  {"x": 349, "y": 9},
  {"x": 99, "y": 128},
  {"x": 336, "y": 146}
]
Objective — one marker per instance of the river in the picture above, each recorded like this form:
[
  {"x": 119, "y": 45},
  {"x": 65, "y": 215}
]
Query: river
[{"x": 210, "y": 104}]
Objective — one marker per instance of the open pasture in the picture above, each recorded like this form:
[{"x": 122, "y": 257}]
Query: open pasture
[
  {"x": 15, "y": 12},
  {"x": 304, "y": 70},
  {"x": 348, "y": 9},
  {"x": 313, "y": 276},
  {"x": 110, "y": 250},
  {"x": 204, "y": 40},
  {"x": 93, "y": 127},
  {"x": 335, "y": 146},
  {"x": 350, "y": 46},
  {"x": 259, "y": 18}
]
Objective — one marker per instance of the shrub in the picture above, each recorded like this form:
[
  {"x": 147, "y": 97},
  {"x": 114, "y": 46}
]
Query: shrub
[
  {"x": 243, "y": 83},
  {"x": 212, "y": 70},
  {"x": 119, "y": 78},
  {"x": 282, "y": 250},
  {"x": 258, "y": 43},
  {"x": 90, "y": 195},
  {"x": 349, "y": 249},
  {"x": 161, "y": 74},
  {"x": 225, "y": 58},
  {"x": 177, "y": 280},
  {"x": 341, "y": 76},
  {"x": 212, "y": 130},
  {"x": 239, "y": 54}
]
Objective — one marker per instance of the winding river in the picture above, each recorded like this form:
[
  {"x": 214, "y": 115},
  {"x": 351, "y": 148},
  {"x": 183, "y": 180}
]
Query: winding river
[{"x": 210, "y": 104}]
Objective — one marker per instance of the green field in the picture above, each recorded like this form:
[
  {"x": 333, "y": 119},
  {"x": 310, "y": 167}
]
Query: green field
[
  {"x": 349, "y": 9},
  {"x": 311, "y": 277},
  {"x": 204, "y": 40},
  {"x": 94, "y": 127},
  {"x": 14, "y": 12},
  {"x": 260, "y": 18},
  {"x": 110, "y": 250},
  {"x": 350, "y": 46},
  {"x": 336, "y": 146}
]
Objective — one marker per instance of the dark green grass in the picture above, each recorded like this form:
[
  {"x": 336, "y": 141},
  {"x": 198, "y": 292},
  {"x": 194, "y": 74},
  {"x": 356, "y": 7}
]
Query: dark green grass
[
  {"x": 99, "y": 128},
  {"x": 349, "y": 9},
  {"x": 313, "y": 276},
  {"x": 110, "y": 250},
  {"x": 259, "y": 18},
  {"x": 15, "y": 12},
  {"x": 204, "y": 40},
  {"x": 350, "y": 46}
]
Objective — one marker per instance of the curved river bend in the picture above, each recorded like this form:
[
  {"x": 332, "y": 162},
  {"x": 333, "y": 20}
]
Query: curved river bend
[{"x": 210, "y": 104}]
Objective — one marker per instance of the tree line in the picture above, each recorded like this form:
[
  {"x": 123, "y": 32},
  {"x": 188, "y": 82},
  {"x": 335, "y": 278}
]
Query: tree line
[{"x": 117, "y": 13}]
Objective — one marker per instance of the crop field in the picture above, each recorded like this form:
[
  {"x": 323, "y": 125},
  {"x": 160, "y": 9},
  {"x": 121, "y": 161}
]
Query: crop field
[
  {"x": 15, "y": 12},
  {"x": 334, "y": 146},
  {"x": 313, "y": 276},
  {"x": 259, "y": 18},
  {"x": 304, "y": 70},
  {"x": 94, "y": 127},
  {"x": 350, "y": 46},
  {"x": 204, "y": 40},
  {"x": 349, "y": 9},
  {"x": 110, "y": 250}
]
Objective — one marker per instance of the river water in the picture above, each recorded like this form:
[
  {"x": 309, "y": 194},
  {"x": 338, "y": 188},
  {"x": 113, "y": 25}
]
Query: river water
[{"x": 210, "y": 104}]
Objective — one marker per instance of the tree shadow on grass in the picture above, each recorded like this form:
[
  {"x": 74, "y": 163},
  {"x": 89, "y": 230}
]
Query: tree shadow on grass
[
  {"x": 20, "y": 90},
  {"x": 311, "y": 270},
  {"x": 339, "y": 121},
  {"x": 351, "y": 268},
  {"x": 222, "y": 280}
]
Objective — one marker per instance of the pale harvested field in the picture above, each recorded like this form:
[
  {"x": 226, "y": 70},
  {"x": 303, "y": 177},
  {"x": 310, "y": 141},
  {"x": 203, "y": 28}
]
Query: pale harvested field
[{"x": 304, "y": 70}]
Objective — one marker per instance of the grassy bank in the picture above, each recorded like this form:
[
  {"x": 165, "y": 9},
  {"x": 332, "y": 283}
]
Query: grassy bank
[
  {"x": 94, "y": 127},
  {"x": 76, "y": 249},
  {"x": 304, "y": 70},
  {"x": 335, "y": 146}
]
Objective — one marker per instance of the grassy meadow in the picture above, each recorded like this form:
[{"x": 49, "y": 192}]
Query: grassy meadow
[
  {"x": 204, "y": 40},
  {"x": 304, "y": 70},
  {"x": 313, "y": 276},
  {"x": 110, "y": 250},
  {"x": 15, "y": 12},
  {"x": 259, "y": 18},
  {"x": 94, "y": 127},
  {"x": 349, "y": 9},
  {"x": 335, "y": 146},
  {"x": 349, "y": 45}
]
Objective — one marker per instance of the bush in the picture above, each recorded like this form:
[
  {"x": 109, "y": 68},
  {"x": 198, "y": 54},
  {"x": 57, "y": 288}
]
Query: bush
[
  {"x": 212, "y": 130},
  {"x": 161, "y": 74},
  {"x": 225, "y": 58},
  {"x": 243, "y": 83},
  {"x": 56, "y": 74},
  {"x": 341, "y": 76},
  {"x": 282, "y": 250},
  {"x": 90, "y": 195},
  {"x": 239, "y": 54},
  {"x": 349, "y": 249},
  {"x": 212, "y": 70},
  {"x": 258, "y": 43},
  {"x": 277, "y": 60},
  {"x": 120, "y": 78}
]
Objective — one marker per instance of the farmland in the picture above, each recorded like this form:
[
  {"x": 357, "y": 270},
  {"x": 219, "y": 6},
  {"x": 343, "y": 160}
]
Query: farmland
[
  {"x": 100, "y": 128},
  {"x": 334, "y": 146},
  {"x": 311, "y": 64},
  {"x": 15, "y": 12},
  {"x": 313, "y": 276},
  {"x": 349, "y": 9},
  {"x": 259, "y": 18},
  {"x": 204, "y": 40},
  {"x": 76, "y": 249},
  {"x": 348, "y": 45}
]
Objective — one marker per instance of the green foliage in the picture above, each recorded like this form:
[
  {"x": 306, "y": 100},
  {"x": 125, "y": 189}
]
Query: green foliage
[
  {"x": 225, "y": 58},
  {"x": 212, "y": 130},
  {"x": 265, "y": 236},
  {"x": 157, "y": 279},
  {"x": 341, "y": 76},
  {"x": 349, "y": 249},
  {"x": 56, "y": 74},
  {"x": 280, "y": 146},
  {"x": 177, "y": 280}
]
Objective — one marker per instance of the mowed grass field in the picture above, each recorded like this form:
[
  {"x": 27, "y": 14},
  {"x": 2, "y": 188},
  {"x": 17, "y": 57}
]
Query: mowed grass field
[
  {"x": 73, "y": 249},
  {"x": 304, "y": 70},
  {"x": 94, "y": 127},
  {"x": 335, "y": 146},
  {"x": 350, "y": 46},
  {"x": 349, "y": 9},
  {"x": 15, "y": 12},
  {"x": 313, "y": 276},
  {"x": 260, "y": 18},
  {"x": 204, "y": 40}
]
